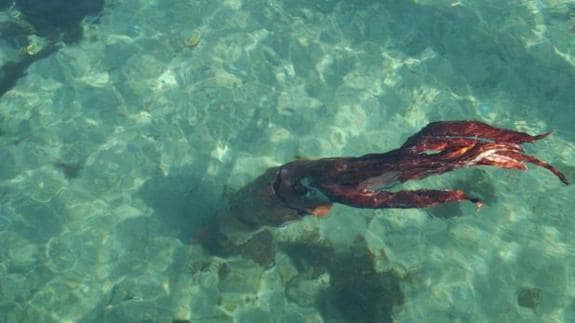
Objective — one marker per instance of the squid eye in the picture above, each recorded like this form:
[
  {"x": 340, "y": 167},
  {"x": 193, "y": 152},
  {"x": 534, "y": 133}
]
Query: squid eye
[{"x": 300, "y": 189}]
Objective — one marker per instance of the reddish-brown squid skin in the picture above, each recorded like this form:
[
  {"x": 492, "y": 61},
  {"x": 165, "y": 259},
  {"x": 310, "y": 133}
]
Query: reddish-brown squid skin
[
  {"x": 286, "y": 193},
  {"x": 312, "y": 185}
]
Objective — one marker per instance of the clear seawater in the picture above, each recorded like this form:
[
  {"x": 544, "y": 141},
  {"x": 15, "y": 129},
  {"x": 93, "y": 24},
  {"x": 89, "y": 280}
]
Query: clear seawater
[{"x": 115, "y": 150}]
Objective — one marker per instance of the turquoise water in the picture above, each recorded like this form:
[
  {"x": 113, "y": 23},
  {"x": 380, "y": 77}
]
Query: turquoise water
[{"x": 116, "y": 149}]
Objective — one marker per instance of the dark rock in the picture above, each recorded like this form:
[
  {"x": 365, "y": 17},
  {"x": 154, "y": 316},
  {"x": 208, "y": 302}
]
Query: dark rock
[
  {"x": 69, "y": 169},
  {"x": 358, "y": 291},
  {"x": 224, "y": 271},
  {"x": 5, "y": 4},
  {"x": 313, "y": 257},
  {"x": 529, "y": 297},
  {"x": 11, "y": 72},
  {"x": 51, "y": 17},
  {"x": 477, "y": 184},
  {"x": 260, "y": 248}
]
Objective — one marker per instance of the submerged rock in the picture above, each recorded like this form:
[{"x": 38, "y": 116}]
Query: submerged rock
[
  {"x": 52, "y": 20},
  {"x": 358, "y": 291},
  {"x": 11, "y": 72},
  {"x": 51, "y": 17},
  {"x": 5, "y": 4},
  {"x": 343, "y": 284},
  {"x": 529, "y": 297},
  {"x": 260, "y": 248}
]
